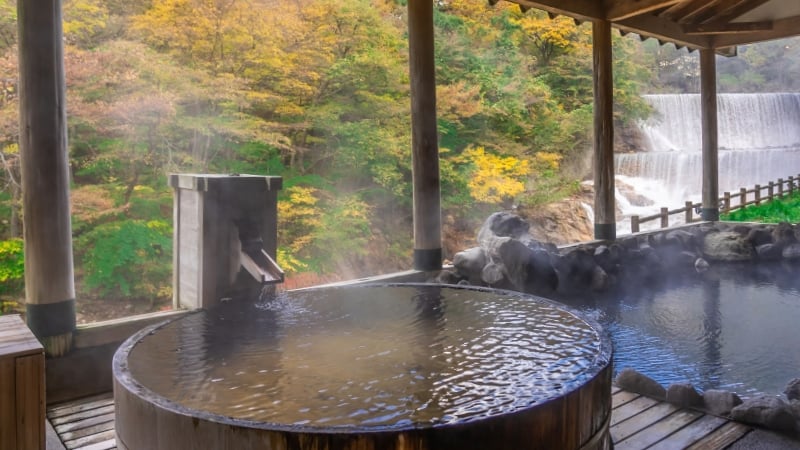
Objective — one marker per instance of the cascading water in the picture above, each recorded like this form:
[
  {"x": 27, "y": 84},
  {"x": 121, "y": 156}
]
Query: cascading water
[{"x": 759, "y": 141}]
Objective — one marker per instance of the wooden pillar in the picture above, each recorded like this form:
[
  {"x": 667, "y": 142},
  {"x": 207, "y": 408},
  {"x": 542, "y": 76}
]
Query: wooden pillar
[
  {"x": 604, "y": 209},
  {"x": 708, "y": 108},
  {"x": 49, "y": 283},
  {"x": 424, "y": 139}
]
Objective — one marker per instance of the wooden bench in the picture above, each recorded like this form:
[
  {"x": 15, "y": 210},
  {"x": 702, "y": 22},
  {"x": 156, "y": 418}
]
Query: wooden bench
[{"x": 22, "y": 405}]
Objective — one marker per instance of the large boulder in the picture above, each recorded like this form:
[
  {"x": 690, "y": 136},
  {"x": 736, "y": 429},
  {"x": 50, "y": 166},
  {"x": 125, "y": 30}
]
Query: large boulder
[
  {"x": 767, "y": 411},
  {"x": 470, "y": 263},
  {"x": 684, "y": 395},
  {"x": 760, "y": 236},
  {"x": 792, "y": 390},
  {"x": 503, "y": 224},
  {"x": 720, "y": 402},
  {"x": 791, "y": 252},
  {"x": 769, "y": 252},
  {"x": 783, "y": 234},
  {"x": 633, "y": 381},
  {"x": 728, "y": 246},
  {"x": 527, "y": 269}
]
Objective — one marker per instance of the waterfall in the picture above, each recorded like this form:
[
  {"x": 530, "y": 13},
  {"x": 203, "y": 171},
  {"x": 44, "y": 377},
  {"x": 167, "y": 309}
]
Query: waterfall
[{"x": 759, "y": 141}]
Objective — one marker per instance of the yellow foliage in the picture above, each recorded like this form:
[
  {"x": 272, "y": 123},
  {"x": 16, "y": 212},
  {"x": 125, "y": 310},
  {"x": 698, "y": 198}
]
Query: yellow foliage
[
  {"x": 548, "y": 160},
  {"x": 495, "y": 178},
  {"x": 298, "y": 217}
]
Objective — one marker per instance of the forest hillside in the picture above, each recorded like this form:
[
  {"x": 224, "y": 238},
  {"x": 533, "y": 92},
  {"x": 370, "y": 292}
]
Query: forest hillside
[{"x": 317, "y": 91}]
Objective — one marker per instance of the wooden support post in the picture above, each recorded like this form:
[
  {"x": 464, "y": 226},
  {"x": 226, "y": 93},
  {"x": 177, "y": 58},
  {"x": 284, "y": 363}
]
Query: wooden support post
[
  {"x": 664, "y": 217},
  {"x": 708, "y": 108},
  {"x": 743, "y": 197},
  {"x": 726, "y": 201},
  {"x": 49, "y": 281},
  {"x": 424, "y": 138},
  {"x": 758, "y": 194},
  {"x": 689, "y": 211},
  {"x": 771, "y": 190},
  {"x": 603, "y": 80},
  {"x": 791, "y": 185},
  {"x": 634, "y": 224},
  {"x": 780, "y": 187}
]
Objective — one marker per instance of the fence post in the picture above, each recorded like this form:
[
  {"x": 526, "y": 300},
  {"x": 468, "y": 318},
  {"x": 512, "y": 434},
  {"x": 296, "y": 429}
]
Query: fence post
[
  {"x": 758, "y": 194},
  {"x": 726, "y": 199},
  {"x": 791, "y": 185},
  {"x": 780, "y": 187},
  {"x": 634, "y": 224},
  {"x": 689, "y": 210},
  {"x": 664, "y": 217},
  {"x": 771, "y": 191},
  {"x": 742, "y": 197}
]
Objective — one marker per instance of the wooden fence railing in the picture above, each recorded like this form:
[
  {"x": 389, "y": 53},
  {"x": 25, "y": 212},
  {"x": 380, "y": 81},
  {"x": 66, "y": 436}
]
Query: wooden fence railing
[{"x": 727, "y": 203}]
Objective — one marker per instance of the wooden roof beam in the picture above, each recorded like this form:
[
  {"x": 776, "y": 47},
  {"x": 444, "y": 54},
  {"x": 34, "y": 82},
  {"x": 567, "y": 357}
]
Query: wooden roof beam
[
  {"x": 704, "y": 12},
  {"x": 682, "y": 9},
  {"x": 624, "y": 9},
  {"x": 729, "y": 28},
  {"x": 737, "y": 8},
  {"x": 662, "y": 29},
  {"x": 585, "y": 10},
  {"x": 780, "y": 29}
]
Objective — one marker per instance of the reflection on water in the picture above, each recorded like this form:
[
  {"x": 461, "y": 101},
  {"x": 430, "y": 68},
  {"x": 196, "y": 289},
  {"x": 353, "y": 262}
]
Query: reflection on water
[
  {"x": 370, "y": 356},
  {"x": 733, "y": 328}
]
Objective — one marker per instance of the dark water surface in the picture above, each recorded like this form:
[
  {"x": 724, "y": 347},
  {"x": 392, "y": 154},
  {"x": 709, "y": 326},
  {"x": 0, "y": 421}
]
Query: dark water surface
[
  {"x": 371, "y": 356},
  {"x": 736, "y": 327}
]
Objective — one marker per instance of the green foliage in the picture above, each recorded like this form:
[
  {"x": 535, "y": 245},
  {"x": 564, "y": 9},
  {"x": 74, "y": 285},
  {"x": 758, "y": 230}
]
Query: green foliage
[
  {"x": 12, "y": 267},
  {"x": 786, "y": 209},
  {"x": 128, "y": 259}
]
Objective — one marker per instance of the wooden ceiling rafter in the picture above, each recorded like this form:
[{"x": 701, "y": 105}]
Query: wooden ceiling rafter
[{"x": 695, "y": 24}]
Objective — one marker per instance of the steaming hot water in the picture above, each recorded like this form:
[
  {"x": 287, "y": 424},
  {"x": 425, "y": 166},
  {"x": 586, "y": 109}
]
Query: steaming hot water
[
  {"x": 759, "y": 142},
  {"x": 733, "y": 328},
  {"x": 380, "y": 358}
]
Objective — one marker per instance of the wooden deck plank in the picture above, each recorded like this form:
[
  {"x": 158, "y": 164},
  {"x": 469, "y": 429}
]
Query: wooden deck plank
[
  {"x": 106, "y": 445},
  {"x": 78, "y": 406},
  {"x": 74, "y": 417},
  {"x": 691, "y": 433},
  {"x": 614, "y": 390},
  {"x": 52, "y": 439},
  {"x": 71, "y": 426},
  {"x": 91, "y": 439},
  {"x": 641, "y": 421},
  {"x": 631, "y": 409},
  {"x": 722, "y": 437},
  {"x": 658, "y": 431},
  {"x": 622, "y": 397},
  {"x": 93, "y": 429}
]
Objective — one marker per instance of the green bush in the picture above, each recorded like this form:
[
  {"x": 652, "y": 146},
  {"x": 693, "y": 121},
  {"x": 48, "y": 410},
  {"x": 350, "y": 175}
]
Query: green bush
[
  {"x": 12, "y": 268},
  {"x": 128, "y": 259},
  {"x": 786, "y": 209}
]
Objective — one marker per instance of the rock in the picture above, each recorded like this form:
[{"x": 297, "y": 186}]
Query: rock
[
  {"x": 528, "y": 270},
  {"x": 759, "y": 236},
  {"x": 719, "y": 402},
  {"x": 576, "y": 269},
  {"x": 684, "y": 395},
  {"x": 633, "y": 381},
  {"x": 792, "y": 390},
  {"x": 783, "y": 234},
  {"x": 492, "y": 274},
  {"x": 769, "y": 252},
  {"x": 701, "y": 265},
  {"x": 791, "y": 252},
  {"x": 600, "y": 279},
  {"x": 687, "y": 240},
  {"x": 794, "y": 406},
  {"x": 470, "y": 263},
  {"x": 727, "y": 246},
  {"x": 768, "y": 411},
  {"x": 605, "y": 258},
  {"x": 505, "y": 224},
  {"x": 448, "y": 277}
]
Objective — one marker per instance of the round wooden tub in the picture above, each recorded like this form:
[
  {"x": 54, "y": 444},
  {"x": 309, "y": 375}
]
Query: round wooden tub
[{"x": 404, "y": 366}]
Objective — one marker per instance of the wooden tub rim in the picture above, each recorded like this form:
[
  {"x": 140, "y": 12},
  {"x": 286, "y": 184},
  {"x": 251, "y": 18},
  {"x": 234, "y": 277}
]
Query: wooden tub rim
[{"x": 124, "y": 378}]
